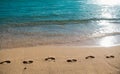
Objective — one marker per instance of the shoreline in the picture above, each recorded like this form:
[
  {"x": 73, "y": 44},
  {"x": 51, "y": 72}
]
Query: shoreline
[
  {"x": 62, "y": 45},
  {"x": 32, "y": 60}
]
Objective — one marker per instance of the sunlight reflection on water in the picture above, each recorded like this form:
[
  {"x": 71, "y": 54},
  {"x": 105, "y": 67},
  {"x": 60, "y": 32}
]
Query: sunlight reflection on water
[
  {"x": 106, "y": 2},
  {"x": 107, "y": 41}
]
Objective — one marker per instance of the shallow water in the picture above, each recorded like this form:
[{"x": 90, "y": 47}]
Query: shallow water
[{"x": 64, "y": 22}]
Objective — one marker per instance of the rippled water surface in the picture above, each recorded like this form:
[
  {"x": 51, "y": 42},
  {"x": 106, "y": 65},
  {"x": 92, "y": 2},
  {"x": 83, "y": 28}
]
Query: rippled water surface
[{"x": 59, "y": 22}]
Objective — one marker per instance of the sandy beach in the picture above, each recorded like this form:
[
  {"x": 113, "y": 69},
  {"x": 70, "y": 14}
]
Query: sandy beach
[
  {"x": 59, "y": 36},
  {"x": 60, "y": 60}
]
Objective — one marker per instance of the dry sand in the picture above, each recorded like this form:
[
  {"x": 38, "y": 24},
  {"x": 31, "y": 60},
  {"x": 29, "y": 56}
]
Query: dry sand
[{"x": 11, "y": 60}]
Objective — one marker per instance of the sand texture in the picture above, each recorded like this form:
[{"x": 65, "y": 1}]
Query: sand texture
[{"x": 60, "y": 60}]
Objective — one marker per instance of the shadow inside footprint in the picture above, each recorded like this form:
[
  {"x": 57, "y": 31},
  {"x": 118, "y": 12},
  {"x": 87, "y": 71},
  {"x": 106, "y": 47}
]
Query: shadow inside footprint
[
  {"x": 5, "y": 62},
  {"x": 74, "y": 60},
  {"x": 50, "y": 59},
  {"x": 27, "y": 62},
  {"x": 25, "y": 68},
  {"x": 111, "y": 56},
  {"x": 71, "y": 60},
  {"x": 89, "y": 57}
]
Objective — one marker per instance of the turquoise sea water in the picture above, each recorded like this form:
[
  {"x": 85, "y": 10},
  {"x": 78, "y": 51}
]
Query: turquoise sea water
[{"x": 67, "y": 22}]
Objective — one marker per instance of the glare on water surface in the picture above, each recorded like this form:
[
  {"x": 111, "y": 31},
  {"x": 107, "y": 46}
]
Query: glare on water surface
[
  {"x": 107, "y": 41},
  {"x": 106, "y": 2}
]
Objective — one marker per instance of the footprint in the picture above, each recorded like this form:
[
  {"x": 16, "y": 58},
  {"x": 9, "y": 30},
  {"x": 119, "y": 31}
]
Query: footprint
[
  {"x": 28, "y": 62},
  {"x": 5, "y": 62},
  {"x": 111, "y": 56},
  {"x": 71, "y": 60},
  {"x": 88, "y": 57},
  {"x": 50, "y": 59}
]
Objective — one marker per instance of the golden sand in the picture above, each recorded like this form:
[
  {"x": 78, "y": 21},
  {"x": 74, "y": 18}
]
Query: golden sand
[{"x": 60, "y": 60}]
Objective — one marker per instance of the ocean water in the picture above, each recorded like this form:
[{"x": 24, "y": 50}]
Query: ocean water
[{"x": 59, "y": 22}]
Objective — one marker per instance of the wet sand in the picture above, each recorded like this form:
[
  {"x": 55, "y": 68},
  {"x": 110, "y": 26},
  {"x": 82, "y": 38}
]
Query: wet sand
[{"x": 60, "y": 60}]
